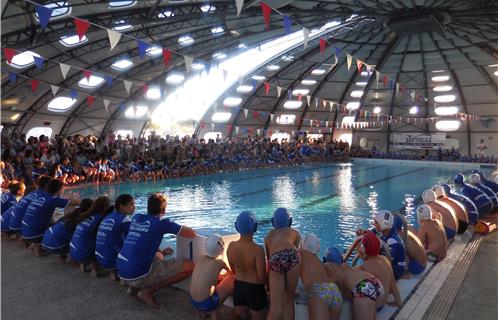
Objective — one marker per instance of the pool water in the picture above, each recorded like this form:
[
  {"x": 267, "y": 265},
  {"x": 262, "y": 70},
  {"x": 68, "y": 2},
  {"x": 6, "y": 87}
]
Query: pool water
[{"x": 330, "y": 200}]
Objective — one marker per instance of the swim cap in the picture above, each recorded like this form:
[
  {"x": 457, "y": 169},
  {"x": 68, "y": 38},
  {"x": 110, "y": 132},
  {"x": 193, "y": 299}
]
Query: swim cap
[
  {"x": 371, "y": 244},
  {"x": 311, "y": 243},
  {"x": 281, "y": 218},
  {"x": 385, "y": 219},
  {"x": 214, "y": 245},
  {"x": 474, "y": 178},
  {"x": 332, "y": 254},
  {"x": 398, "y": 222},
  {"x": 428, "y": 196},
  {"x": 246, "y": 223},
  {"x": 424, "y": 212},
  {"x": 459, "y": 179},
  {"x": 439, "y": 191},
  {"x": 446, "y": 187}
]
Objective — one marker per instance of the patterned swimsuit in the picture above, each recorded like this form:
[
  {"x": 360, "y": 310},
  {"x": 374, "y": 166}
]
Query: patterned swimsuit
[
  {"x": 284, "y": 260},
  {"x": 368, "y": 288},
  {"x": 328, "y": 292}
]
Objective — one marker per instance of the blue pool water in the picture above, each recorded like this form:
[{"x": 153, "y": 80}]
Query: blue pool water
[{"x": 330, "y": 200}]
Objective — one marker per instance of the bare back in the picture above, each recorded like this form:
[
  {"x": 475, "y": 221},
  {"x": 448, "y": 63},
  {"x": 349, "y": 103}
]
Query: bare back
[
  {"x": 312, "y": 270},
  {"x": 457, "y": 207},
  {"x": 431, "y": 233},
  {"x": 247, "y": 261},
  {"x": 447, "y": 214},
  {"x": 282, "y": 238},
  {"x": 415, "y": 248},
  {"x": 205, "y": 277}
]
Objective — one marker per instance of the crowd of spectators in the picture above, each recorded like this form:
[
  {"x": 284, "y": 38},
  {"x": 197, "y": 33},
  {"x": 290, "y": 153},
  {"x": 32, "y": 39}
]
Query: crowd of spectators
[{"x": 79, "y": 158}]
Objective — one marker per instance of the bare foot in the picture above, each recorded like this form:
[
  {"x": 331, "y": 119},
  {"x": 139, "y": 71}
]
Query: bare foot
[
  {"x": 132, "y": 292},
  {"x": 147, "y": 298},
  {"x": 113, "y": 276},
  {"x": 94, "y": 273},
  {"x": 82, "y": 267}
]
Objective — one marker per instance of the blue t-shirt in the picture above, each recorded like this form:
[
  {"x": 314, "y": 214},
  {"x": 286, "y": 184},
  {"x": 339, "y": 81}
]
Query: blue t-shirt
[
  {"x": 110, "y": 237},
  {"x": 18, "y": 211},
  {"x": 5, "y": 218},
  {"x": 8, "y": 200},
  {"x": 141, "y": 243},
  {"x": 82, "y": 245},
  {"x": 397, "y": 249},
  {"x": 57, "y": 236},
  {"x": 39, "y": 214}
]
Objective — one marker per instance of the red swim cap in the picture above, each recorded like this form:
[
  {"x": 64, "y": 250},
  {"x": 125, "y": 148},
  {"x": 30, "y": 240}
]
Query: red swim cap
[{"x": 371, "y": 244}]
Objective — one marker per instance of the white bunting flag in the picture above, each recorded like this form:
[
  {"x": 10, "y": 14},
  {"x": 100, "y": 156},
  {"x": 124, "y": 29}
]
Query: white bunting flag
[
  {"x": 246, "y": 111},
  {"x": 113, "y": 38},
  {"x": 279, "y": 91},
  {"x": 309, "y": 100},
  {"x": 326, "y": 124},
  {"x": 271, "y": 117},
  {"x": 54, "y": 89},
  {"x": 349, "y": 59},
  {"x": 292, "y": 133},
  {"x": 188, "y": 62},
  {"x": 236, "y": 130},
  {"x": 331, "y": 106},
  {"x": 377, "y": 76},
  {"x": 127, "y": 85},
  {"x": 316, "y": 103},
  {"x": 106, "y": 105},
  {"x": 259, "y": 131},
  {"x": 306, "y": 33},
  {"x": 320, "y": 131},
  {"x": 64, "y": 69},
  {"x": 240, "y": 4},
  {"x": 212, "y": 126},
  {"x": 397, "y": 88}
]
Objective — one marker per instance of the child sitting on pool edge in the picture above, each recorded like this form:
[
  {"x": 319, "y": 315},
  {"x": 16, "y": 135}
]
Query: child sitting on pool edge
[{"x": 209, "y": 289}]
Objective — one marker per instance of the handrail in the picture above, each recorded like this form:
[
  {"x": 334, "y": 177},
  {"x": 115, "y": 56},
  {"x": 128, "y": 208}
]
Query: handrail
[
  {"x": 355, "y": 244},
  {"x": 351, "y": 248}
]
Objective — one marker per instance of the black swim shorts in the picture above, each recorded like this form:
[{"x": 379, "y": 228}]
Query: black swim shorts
[{"x": 250, "y": 294}]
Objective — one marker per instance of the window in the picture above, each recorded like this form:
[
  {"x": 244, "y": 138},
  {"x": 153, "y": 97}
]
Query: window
[
  {"x": 244, "y": 88},
  {"x": 219, "y": 55},
  {"x": 59, "y": 9},
  {"x": 356, "y": 93},
  {"x": 442, "y": 88},
  {"x": 174, "y": 78},
  {"x": 307, "y": 82},
  {"x": 38, "y": 131},
  {"x": 91, "y": 83},
  {"x": 24, "y": 59},
  {"x": 122, "y": 25},
  {"x": 286, "y": 119},
  {"x": 121, "y": 3},
  {"x": 346, "y": 137},
  {"x": 448, "y": 125},
  {"x": 440, "y": 78},
  {"x": 348, "y": 120},
  {"x": 446, "y": 111},
  {"x": 318, "y": 72},
  {"x": 14, "y": 117},
  {"x": 136, "y": 112},
  {"x": 153, "y": 93},
  {"x": 124, "y": 133},
  {"x": 273, "y": 67},
  {"x": 242, "y": 46},
  {"x": 221, "y": 117},
  {"x": 438, "y": 71},
  {"x": 258, "y": 78},
  {"x": 361, "y": 83},
  {"x": 414, "y": 110},
  {"x": 208, "y": 8},
  {"x": 377, "y": 110},
  {"x": 314, "y": 136},
  {"x": 72, "y": 41},
  {"x": 121, "y": 65},
  {"x": 445, "y": 98},
  {"x": 353, "y": 105},
  {"x": 301, "y": 92},
  {"x": 232, "y": 101},
  {"x": 280, "y": 136},
  {"x": 60, "y": 104},
  {"x": 365, "y": 74},
  {"x": 217, "y": 30},
  {"x": 293, "y": 104},
  {"x": 154, "y": 51},
  {"x": 496, "y": 73},
  {"x": 287, "y": 58},
  {"x": 185, "y": 40},
  {"x": 166, "y": 14},
  {"x": 197, "y": 66},
  {"x": 212, "y": 135}
]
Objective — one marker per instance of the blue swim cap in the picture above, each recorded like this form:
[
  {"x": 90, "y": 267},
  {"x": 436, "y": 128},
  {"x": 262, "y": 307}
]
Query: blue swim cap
[
  {"x": 459, "y": 179},
  {"x": 332, "y": 254},
  {"x": 479, "y": 173},
  {"x": 398, "y": 222},
  {"x": 446, "y": 188},
  {"x": 281, "y": 218},
  {"x": 246, "y": 223}
]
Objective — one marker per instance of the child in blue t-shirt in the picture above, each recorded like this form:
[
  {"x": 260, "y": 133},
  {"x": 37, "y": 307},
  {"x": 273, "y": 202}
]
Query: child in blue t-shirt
[{"x": 9, "y": 199}]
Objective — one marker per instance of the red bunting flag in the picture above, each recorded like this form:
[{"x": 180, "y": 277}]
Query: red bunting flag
[
  {"x": 81, "y": 27},
  {"x": 203, "y": 125},
  {"x": 255, "y": 114},
  {"x": 145, "y": 88},
  {"x": 166, "y": 56},
  {"x": 9, "y": 53},
  {"x": 229, "y": 128},
  {"x": 267, "y": 88},
  {"x": 359, "y": 64},
  {"x": 323, "y": 44},
  {"x": 299, "y": 97},
  {"x": 90, "y": 100},
  {"x": 34, "y": 84},
  {"x": 266, "y": 14},
  {"x": 87, "y": 74},
  {"x": 385, "y": 80}
]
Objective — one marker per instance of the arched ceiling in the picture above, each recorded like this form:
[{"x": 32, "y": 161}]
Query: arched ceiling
[{"x": 405, "y": 39}]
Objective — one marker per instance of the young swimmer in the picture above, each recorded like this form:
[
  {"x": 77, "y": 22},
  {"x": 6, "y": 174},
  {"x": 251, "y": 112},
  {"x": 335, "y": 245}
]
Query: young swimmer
[
  {"x": 458, "y": 208},
  {"x": 417, "y": 260},
  {"x": 325, "y": 298},
  {"x": 431, "y": 233},
  {"x": 247, "y": 261},
  {"x": 17, "y": 191},
  {"x": 40, "y": 211},
  {"x": 111, "y": 233},
  {"x": 283, "y": 260},
  {"x": 208, "y": 289},
  {"x": 82, "y": 245},
  {"x": 442, "y": 212},
  {"x": 56, "y": 239},
  {"x": 140, "y": 262},
  {"x": 379, "y": 266},
  {"x": 361, "y": 287}
]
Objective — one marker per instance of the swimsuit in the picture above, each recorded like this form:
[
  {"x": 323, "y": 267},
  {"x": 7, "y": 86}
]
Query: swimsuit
[
  {"x": 207, "y": 305},
  {"x": 328, "y": 292},
  {"x": 284, "y": 260},
  {"x": 432, "y": 257},
  {"x": 368, "y": 288},
  {"x": 250, "y": 294}
]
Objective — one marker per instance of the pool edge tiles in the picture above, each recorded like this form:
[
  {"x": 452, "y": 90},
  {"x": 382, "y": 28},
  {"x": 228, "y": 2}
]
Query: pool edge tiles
[{"x": 463, "y": 165}]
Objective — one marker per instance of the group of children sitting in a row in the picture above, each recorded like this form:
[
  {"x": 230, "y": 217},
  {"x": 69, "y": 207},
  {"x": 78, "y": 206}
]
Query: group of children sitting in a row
[{"x": 100, "y": 235}]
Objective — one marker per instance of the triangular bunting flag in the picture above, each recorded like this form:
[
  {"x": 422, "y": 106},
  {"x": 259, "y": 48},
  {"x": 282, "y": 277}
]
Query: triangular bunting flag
[
  {"x": 9, "y": 53},
  {"x": 64, "y": 69},
  {"x": 225, "y": 74},
  {"x": 44, "y": 15},
  {"x": 377, "y": 76},
  {"x": 106, "y": 105},
  {"x": 90, "y": 100},
  {"x": 271, "y": 117},
  {"x": 349, "y": 59},
  {"x": 385, "y": 80},
  {"x": 279, "y": 91},
  {"x": 39, "y": 62},
  {"x": 259, "y": 131},
  {"x": 212, "y": 126},
  {"x": 323, "y": 44},
  {"x": 166, "y": 56},
  {"x": 127, "y": 85},
  {"x": 255, "y": 114},
  {"x": 54, "y": 89},
  {"x": 240, "y": 4},
  {"x": 266, "y": 14},
  {"x": 359, "y": 64},
  {"x": 267, "y": 88},
  {"x": 113, "y": 38},
  {"x": 81, "y": 27},
  {"x": 188, "y": 62},
  {"x": 236, "y": 130},
  {"x": 245, "y": 113},
  {"x": 34, "y": 84},
  {"x": 87, "y": 74},
  {"x": 13, "y": 77},
  {"x": 108, "y": 80},
  {"x": 287, "y": 25},
  {"x": 306, "y": 34},
  {"x": 309, "y": 99},
  {"x": 145, "y": 88},
  {"x": 73, "y": 94},
  {"x": 142, "y": 48}
]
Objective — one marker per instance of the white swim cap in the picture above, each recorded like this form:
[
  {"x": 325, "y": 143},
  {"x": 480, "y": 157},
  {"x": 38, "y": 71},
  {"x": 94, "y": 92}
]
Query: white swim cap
[
  {"x": 439, "y": 191},
  {"x": 385, "y": 219},
  {"x": 424, "y": 212},
  {"x": 214, "y": 245},
  {"x": 474, "y": 178},
  {"x": 428, "y": 196},
  {"x": 311, "y": 243}
]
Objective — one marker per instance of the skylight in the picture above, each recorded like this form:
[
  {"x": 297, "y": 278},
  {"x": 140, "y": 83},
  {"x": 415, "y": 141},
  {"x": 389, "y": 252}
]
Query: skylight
[
  {"x": 258, "y": 78},
  {"x": 280, "y": 136},
  {"x": 217, "y": 30},
  {"x": 414, "y": 110},
  {"x": 232, "y": 101},
  {"x": 59, "y": 9},
  {"x": 24, "y": 59},
  {"x": 39, "y": 131},
  {"x": 154, "y": 51},
  {"x": 361, "y": 83},
  {"x": 365, "y": 74},
  {"x": 124, "y": 133},
  {"x": 221, "y": 116},
  {"x": 442, "y": 88},
  {"x": 307, "y": 82},
  {"x": 330, "y": 24},
  {"x": 273, "y": 67},
  {"x": 445, "y": 98},
  {"x": 496, "y": 73},
  {"x": 446, "y": 111},
  {"x": 286, "y": 119},
  {"x": 353, "y": 105},
  {"x": 60, "y": 104},
  {"x": 122, "y": 25},
  {"x": 242, "y": 46},
  {"x": 438, "y": 71},
  {"x": 440, "y": 78},
  {"x": 448, "y": 125},
  {"x": 287, "y": 58},
  {"x": 136, "y": 112},
  {"x": 91, "y": 83},
  {"x": 153, "y": 93},
  {"x": 377, "y": 110},
  {"x": 356, "y": 93},
  {"x": 244, "y": 89},
  {"x": 318, "y": 72},
  {"x": 219, "y": 55},
  {"x": 293, "y": 104},
  {"x": 208, "y": 8},
  {"x": 121, "y": 3},
  {"x": 122, "y": 64},
  {"x": 72, "y": 41},
  {"x": 175, "y": 78},
  {"x": 166, "y": 14},
  {"x": 301, "y": 92},
  {"x": 348, "y": 120},
  {"x": 198, "y": 66},
  {"x": 185, "y": 40}
]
